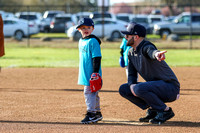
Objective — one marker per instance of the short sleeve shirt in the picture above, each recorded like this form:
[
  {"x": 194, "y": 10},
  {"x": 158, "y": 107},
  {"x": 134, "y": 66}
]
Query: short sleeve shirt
[{"x": 88, "y": 49}]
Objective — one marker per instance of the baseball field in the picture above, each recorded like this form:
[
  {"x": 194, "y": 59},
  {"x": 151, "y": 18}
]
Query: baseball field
[{"x": 44, "y": 99}]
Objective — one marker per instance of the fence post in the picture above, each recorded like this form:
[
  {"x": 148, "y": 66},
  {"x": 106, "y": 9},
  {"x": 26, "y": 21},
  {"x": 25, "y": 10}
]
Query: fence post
[
  {"x": 28, "y": 30},
  {"x": 191, "y": 24},
  {"x": 102, "y": 13},
  {"x": 68, "y": 8}
]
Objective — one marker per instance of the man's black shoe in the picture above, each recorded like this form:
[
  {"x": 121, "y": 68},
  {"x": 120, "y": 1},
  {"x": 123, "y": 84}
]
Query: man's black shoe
[
  {"x": 162, "y": 117},
  {"x": 151, "y": 113}
]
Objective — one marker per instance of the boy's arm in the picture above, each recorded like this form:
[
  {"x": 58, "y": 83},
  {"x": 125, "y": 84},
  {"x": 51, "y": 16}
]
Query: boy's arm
[
  {"x": 96, "y": 64},
  {"x": 96, "y": 80}
]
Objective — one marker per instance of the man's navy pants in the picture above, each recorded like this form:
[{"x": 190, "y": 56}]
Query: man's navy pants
[{"x": 152, "y": 94}]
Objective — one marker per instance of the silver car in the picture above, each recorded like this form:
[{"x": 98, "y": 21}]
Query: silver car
[
  {"x": 111, "y": 30},
  {"x": 19, "y": 28},
  {"x": 183, "y": 24},
  {"x": 47, "y": 18},
  {"x": 35, "y": 17}
]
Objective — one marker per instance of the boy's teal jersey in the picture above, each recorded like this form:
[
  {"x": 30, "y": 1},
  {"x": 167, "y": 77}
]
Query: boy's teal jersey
[
  {"x": 125, "y": 49},
  {"x": 88, "y": 49}
]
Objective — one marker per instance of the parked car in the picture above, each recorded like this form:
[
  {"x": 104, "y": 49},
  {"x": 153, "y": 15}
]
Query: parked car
[
  {"x": 80, "y": 15},
  {"x": 47, "y": 18},
  {"x": 170, "y": 18},
  {"x": 141, "y": 19},
  {"x": 152, "y": 20},
  {"x": 19, "y": 28},
  {"x": 183, "y": 24},
  {"x": 156, "y": 12},
  {"x": 112, "y": 29},
  {"x": 6, "y": 14},
  {"x": 2, "y": 13},
  {"x": 127, "y": 17},
  {"x": 96, "y": 15},
  {"x": 30, "y": 16},
  {"x": 61, "y": 22}
]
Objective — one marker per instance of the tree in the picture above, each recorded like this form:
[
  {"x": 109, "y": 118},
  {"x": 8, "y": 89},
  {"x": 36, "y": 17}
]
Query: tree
[
  {"x": 48, "y": 2},
  {"x": 121, "y": 8},
  {"x": 173, "y": 4},
  {"x": 70, "y": 6},
  {"x": 8, "y": 2}
]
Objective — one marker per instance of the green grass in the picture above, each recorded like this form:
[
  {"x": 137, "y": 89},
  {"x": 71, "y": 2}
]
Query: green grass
[
  {"x": 53, "y": 35},
  {"x": 183, "y": 57},
  {"x": 68, "y": 57},
  {"x": 188, "y": 37},
  {"x": 40, "y": 57},
  {"x": 63, "y": 35}
]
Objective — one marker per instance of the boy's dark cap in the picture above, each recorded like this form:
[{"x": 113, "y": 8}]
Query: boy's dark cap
[
  {"x": 135, "y": 29},
  {"x": 86, "y": 22}
]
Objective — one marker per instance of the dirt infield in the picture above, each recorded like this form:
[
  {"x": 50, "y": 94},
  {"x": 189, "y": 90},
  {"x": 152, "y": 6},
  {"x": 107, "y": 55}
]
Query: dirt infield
[{"x": 48, "y": 100}]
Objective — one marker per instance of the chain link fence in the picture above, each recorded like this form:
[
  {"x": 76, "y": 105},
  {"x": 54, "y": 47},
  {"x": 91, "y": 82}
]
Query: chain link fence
[
  {"x": 140, "y": 9},
  {"x": 136, "y": 9}
]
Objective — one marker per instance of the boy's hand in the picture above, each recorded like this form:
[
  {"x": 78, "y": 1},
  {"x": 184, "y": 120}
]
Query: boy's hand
[
  {"x": 95, "y": 82},
  {"x": 160, "y": 55}
]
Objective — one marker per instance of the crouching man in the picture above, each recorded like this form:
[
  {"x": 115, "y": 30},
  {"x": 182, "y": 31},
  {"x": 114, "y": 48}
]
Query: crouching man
[{"x": 161, "y": 84}]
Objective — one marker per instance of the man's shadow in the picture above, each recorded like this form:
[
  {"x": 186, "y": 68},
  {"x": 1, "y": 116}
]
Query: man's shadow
[
  {"x": 114, "y": 122},
  {"x": 167, "y": 123}
]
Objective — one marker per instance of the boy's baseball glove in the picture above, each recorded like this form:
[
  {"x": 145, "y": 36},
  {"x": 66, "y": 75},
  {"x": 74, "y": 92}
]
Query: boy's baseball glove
[{"x": 95, "y": 82}]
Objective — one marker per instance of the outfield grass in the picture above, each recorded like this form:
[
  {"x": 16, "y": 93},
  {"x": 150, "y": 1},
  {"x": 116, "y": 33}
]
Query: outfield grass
[
  {"x": 183, "y": 57},
  {"x": 68, "y": 57},
  {"x": 64, "y": 35},
  {"x": 53, "y": 35}
]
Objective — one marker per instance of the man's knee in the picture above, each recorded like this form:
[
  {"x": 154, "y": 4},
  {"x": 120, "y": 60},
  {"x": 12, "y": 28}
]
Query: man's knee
[
  {"x": 122, "y": 89},
  {"x": 139, "y": 90}
]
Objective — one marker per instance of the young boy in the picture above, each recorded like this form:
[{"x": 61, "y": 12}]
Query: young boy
[{"x": 89, "y": 63}]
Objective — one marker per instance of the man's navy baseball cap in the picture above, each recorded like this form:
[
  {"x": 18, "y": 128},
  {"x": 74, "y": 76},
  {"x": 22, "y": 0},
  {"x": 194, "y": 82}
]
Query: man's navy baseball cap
[
  {"x": 135, "y": 29},
  {"x": 86, "y": 22}
]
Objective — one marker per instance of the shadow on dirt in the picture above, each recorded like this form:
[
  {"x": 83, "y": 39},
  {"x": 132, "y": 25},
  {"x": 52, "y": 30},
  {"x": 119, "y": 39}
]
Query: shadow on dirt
[
  {"x": 114, "y": 122},
  {"x": 24, "y": 89},
  {"x": 102, "y": 90},
  {"x": 190, "y": 89}
]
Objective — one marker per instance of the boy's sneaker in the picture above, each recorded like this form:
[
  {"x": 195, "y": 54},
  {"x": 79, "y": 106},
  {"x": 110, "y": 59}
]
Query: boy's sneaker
[
  {"x": 99, "y": 116},
  {"x": 89, "y": 118},
  {"x": 151, "y": 113},
  {"x": 162, "y": 117}
]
